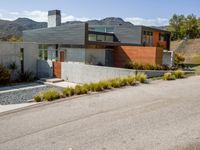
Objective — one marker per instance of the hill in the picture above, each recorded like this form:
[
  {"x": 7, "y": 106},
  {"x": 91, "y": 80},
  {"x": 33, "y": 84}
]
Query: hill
[
  {"x": 16, "y": 27},
  {"x": 189, "y": 48},
  {"x": 106, "y": 21}
]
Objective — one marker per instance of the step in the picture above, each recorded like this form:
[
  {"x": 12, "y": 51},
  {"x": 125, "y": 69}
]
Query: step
[{"x": 51, "y": 80}]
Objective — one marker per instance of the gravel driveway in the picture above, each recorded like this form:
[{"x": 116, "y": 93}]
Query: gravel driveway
[{"x": 20, "y": 94}]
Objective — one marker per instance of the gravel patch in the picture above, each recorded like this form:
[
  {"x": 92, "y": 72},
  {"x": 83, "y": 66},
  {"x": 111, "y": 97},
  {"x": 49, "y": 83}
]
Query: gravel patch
[{"x": 22, "y": 95}]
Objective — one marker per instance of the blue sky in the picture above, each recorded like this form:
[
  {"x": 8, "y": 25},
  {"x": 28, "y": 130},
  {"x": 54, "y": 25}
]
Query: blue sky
[{"x": 147, "y": 12}]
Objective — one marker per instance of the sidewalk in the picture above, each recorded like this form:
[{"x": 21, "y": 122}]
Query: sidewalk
[{"x": 4, "y": 108}]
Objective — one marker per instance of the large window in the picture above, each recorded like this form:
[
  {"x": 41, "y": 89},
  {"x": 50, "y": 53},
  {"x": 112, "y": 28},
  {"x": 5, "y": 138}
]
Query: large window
[
  {"x": 147, "y": 38},
  {"x": 92, "y": 37},
  {"x": 100, "y": 38},
  {"x": 102, "y": 29},
  {"x": 109, "y": 38},
  {"x": 162, "y": 37}
]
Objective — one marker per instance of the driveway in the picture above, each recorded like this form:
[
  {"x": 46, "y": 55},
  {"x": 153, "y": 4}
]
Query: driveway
[{"x": 158, "y": 116}]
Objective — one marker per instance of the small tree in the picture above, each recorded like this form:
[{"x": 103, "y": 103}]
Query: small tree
[{"x": 179, "y": 59}]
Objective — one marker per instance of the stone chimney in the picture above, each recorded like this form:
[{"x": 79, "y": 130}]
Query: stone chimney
[{"x": 54, "y": 18}]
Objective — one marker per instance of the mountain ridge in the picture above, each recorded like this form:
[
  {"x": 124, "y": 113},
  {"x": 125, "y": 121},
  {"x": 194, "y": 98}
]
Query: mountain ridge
[{"x": 16, "y": 27}]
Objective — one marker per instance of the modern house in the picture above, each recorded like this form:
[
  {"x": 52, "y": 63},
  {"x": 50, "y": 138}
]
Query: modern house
[{"x": 98, "y": 44}]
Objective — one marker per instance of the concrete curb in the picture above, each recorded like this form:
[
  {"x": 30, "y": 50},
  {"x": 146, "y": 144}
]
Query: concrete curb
[{"x": 52, "y": 102}]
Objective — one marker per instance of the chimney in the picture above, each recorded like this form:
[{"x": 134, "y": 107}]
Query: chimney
[{"x": 54, "y": 18}]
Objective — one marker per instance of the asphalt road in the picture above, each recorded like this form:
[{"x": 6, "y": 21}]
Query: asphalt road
[{"x": 160, "y": 115}]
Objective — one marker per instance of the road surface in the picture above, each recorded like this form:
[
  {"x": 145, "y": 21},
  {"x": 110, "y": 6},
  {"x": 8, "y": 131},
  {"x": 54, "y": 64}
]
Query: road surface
[{"x": 157, "y": 116}]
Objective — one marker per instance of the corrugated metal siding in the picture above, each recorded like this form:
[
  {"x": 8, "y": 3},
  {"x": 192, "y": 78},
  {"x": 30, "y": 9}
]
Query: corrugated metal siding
[
  {"x": 66, "y": 34},
  {"x": 128, "y": 35}
]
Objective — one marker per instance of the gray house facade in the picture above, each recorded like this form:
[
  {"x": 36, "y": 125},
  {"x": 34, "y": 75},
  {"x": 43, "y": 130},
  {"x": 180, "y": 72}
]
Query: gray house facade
[{"x": 97, "y": 44}]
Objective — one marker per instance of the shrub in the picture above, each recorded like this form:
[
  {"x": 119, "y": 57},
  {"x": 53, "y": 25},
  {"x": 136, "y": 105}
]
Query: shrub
[
  {"x": 123, "y": 81},
  {"x": 105, "y": 84},
  {"x": 38, "y": 98},
  {"x": 4, "y": 75},
  {"x": 26, "y": 76},
  {"x": 51, "y": 94},
  {"x": 115, "y": 83},
  {"x": 96, "y": 87},
  {"x": 13, "y": 66},
  {"x": 169, "y": 76},
  {"x": 80, "y": 90},
  {"x": 132, "y": 65},
  {"x": 179, "y": 74},
  {"x": 179, "y": 59},
  {"x": 131, "y": 80},
  {"x": 141, "y": 77},
  {"x": 68, "y": 92},
  {"x": 150, "y": 67}
]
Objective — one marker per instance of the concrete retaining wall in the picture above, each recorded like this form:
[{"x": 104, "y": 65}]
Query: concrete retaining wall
[
  {"x": 10, "y": 52},
  {"x": 81, "y": 73}
]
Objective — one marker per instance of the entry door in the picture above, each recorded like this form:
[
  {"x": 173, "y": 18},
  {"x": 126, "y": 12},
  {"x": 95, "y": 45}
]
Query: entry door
[
  {"x": 62, "y": 56},
  {"x": 109, "y": 58}
]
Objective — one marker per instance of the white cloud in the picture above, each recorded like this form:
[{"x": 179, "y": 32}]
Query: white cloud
[
  {"x": 14, "y": 13},
  {"x": 37, "y": 16},
  {"x": 72, "y": 18},
  {"x": 148, "y": 22}
]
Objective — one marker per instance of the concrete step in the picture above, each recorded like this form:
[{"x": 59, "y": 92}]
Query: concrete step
[{"x": 51, "y": 80}]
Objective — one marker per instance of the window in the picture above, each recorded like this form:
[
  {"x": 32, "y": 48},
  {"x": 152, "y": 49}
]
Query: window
[
  {"x": 45, "y": 54},
  {"x": 147, "y": 38},
  {"x": 100, "y": 38},
  {"x": 92, "y": 37},
  {"x": 100, "y": 29},
  {"x": 109, "y": 38},
  {"x": 40, "y": 54},
  {"x": 110, "y": 30},
  {"x": 22, "y": 59},
  {"x": 162, "y": 37}
]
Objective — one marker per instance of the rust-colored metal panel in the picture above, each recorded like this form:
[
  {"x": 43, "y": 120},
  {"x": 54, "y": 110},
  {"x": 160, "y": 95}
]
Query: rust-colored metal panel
[
  {"x": 57, "y": 69},
  {"x": 138, "y": 54},
  {"x": 62, "y": 56}
]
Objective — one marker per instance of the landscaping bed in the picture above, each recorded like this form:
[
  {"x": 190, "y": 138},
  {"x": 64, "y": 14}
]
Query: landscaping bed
[{"x": 22, "y": 95}]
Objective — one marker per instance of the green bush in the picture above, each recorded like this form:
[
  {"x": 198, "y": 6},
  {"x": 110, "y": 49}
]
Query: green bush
[
  {"x": 38, "y": 98},
  {"x": 141, "y": 77},
  {"x": 131, "y": 80},
  {"x": 95, "y": 87},
  {"x": 4, "y": 75},
  {"x": 105, "y": 84},
  {"x": 169, "y": 76},
  {"x": 115, "y": 83},
  {"x": 68, "y": 92},
  {"x": 132, "y": 65},
  {"x": 51, "y": 94},
  {"x": 80, "y": 90},
  {"x": 179, "y": 74},
  {"x": 26, "y": 76},
  {"x": 123, "y": 81}
]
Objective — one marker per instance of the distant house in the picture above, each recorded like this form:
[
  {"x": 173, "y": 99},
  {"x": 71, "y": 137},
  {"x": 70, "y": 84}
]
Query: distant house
[{"x": 98, "y": 44}]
